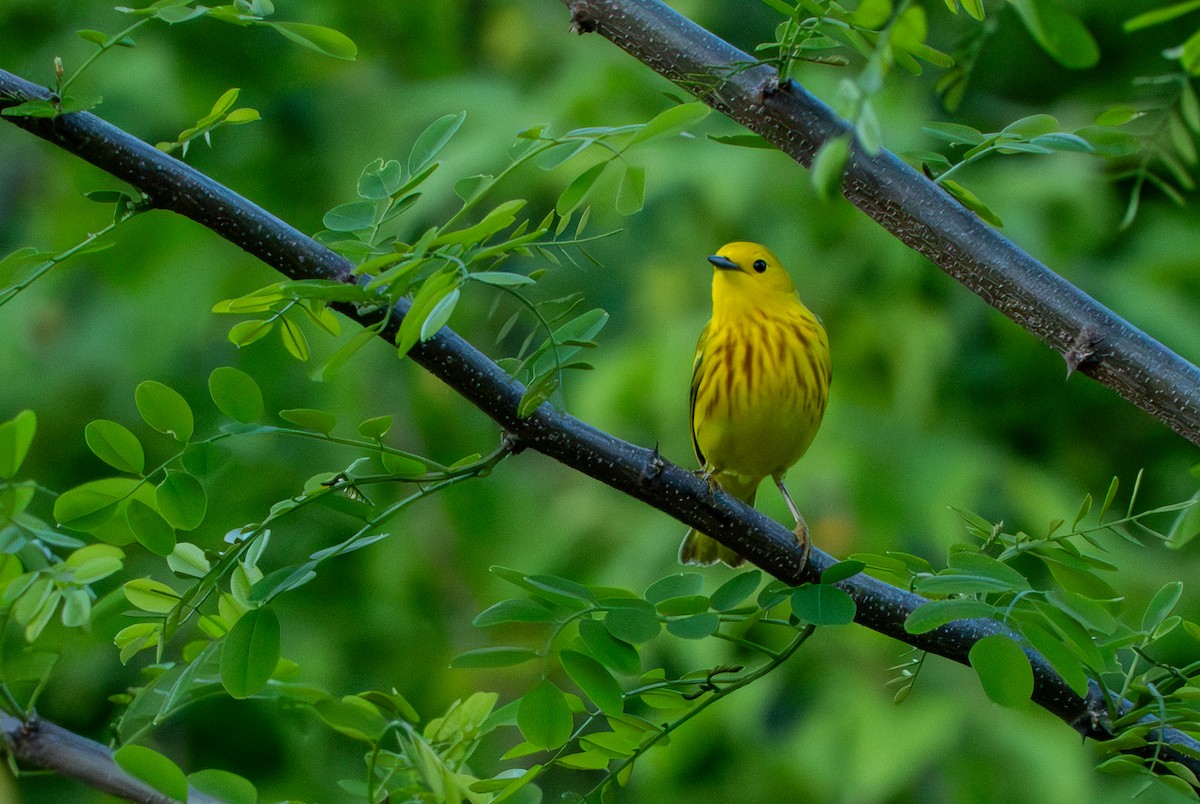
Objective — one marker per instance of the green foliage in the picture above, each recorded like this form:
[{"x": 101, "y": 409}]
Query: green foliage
[
  {"x": 434, "y": 268},
  {"x": 598, "y": 635},
  {"x": 221, "y": 114},
  {"x": 593, "y": 676},
  {"x": 1049, "y": 593}
]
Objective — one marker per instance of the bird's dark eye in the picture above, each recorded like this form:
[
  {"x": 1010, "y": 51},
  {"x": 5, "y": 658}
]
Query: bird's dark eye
[{"x": 760, "y": 265}]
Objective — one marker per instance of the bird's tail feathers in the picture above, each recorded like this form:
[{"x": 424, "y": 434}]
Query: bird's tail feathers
[{"x": 703, "y": 550}]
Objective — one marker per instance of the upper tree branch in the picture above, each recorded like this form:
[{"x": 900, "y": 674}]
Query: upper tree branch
[
  {"x": 918, "y": 212},
  {"x": 641, "y": 473}
]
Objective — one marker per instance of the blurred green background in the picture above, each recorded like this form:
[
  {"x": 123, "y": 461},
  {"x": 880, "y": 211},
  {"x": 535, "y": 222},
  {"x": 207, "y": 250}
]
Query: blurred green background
[{"x": 937, "y": 400}]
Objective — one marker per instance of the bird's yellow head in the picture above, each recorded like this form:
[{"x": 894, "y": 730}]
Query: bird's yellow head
[{"x": 750, "y": 274}]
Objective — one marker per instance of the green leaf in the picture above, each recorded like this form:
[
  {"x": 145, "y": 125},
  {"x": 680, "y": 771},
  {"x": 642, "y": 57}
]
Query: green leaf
[
  {"x": 352, "y": 716},
  {"x": 1059, "y": 32},
  {"x": 538, "y": 392},
  {"x": 842, "y": 570},
  {"x": 92, "y": 504},
  {"x": 95, "y": 37},
  {"x": 282, "y": 580},
  {"x": 433, "y": 291},
  {"x": 954, "y": 133},
  {"x": 971, "y": 201},
  {"x": 634, "y": 622},
  {"x": 250, "y": 653},
  {"x": 683, "y": 605},
  {"x": 94, "y": 562},
  {"x": 224, "y": 786},
  {"x": 154, "y": 769},
  {"x": 245, "y": 333},
  {"x": 607, "y": 649},
  {"x": 1032, "y": 126},
  {"x": 743, "y": 140},
  {"x": 959, "y": 583},
  {"x": 828, "y": 166},
  {"x": 343, "y": 354},
  {"x": 1003, "y": 670},
  {"x": 583, "y": 760},
  {"x": 1109, "y": 141},
  {"x": 570, "y": 337},
  {"x": 561, "y": 587},
  {"x": 672, "y": 121},
  {"x": 873, "y": 14},
  {"x": 135, "y": 638},
  {"x": 353, "y": 216},
  {"x": 150, "y": 529},
  {"x": 433, "y": 139},
  {"x": 293, "y": 339},
  {"x": 1156, "y": 16},
  {"x": 310, "y": 419},
  {"x": 319, "y": 38},
  {"x": 77, "y": 608},
  {"x": 577, "y": 191},
  {"x": 1186, "y": 525},
  {"x": 499, "y": 218},
  {"x": 501, "y": 278},
  {"x": 822, "y": 604},
  {"x": 595, "y": 681},
  {"x": 181, "y": 500},
  {"x": 16, "y": 435},
  {"x": 380, "y": 179},
  {"x": 402, "y": 465},
  {"x": 684, "y": 583},
  {"x": 439, "y": 316},
  {"x": 115, "y": 445},
  {"x": 698, "y": 626},
  {"x": 469, "y": 187},
  {"x": 236, "y": 394},
  {"x": 165, "y": 410},
  {"x": 1062, "y": 141},
  {"x": 1061, "y": 658},
  {"x": 731, "y": 593},
  {"x": 631, "y": 193},
  {"x": 150, "y": 595},
  {"x": 189, "y": 559},
  {"x": 492, "y": 657},
  {"x": 936, "y": 613},
  {"x": 1160, "y": 605},
  {"x": 973, "y": 564},
  {"x": 376, "y": 427},
  {"x": 518, "y": 610},
  {"x": 544, "y": 717}
]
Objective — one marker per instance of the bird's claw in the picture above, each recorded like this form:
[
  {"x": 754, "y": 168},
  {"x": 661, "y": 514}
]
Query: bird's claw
[{"x": 801, "y": 534}]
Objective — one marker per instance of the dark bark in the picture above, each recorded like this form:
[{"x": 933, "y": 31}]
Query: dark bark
[
  {"x": 636, "y": 471},
  {"x": 38, "y": 743}
]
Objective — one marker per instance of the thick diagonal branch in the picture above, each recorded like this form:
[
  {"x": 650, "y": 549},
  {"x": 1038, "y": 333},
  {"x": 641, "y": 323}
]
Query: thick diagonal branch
[
  {"x": 641, "y": 473},
  {"x": 41, "y": 744},
  {"x": 1088, "y": 335}
]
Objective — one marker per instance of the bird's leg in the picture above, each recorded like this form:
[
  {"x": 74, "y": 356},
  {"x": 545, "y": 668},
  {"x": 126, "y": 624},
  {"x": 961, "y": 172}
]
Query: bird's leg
[
  {"x": 801, "y": 529},
  {"x": 708, "y": 475}
]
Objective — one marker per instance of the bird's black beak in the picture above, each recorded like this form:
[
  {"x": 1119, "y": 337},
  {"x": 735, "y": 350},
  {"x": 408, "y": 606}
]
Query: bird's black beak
[{"x": 724, "y": 263}]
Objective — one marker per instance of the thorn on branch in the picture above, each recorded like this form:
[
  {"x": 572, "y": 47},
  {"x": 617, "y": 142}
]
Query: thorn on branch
[
  {"x": 581, "y": 23},
  {"x": 511, "y": 443},
  {"x": 770, "y": 86},
  {"x": 653, "y": 467},
  {"x": 1083, "y": 350}
]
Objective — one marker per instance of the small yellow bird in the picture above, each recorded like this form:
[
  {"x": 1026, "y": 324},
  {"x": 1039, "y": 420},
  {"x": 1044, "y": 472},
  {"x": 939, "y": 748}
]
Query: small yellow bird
[{"x": 759, "y": 385}]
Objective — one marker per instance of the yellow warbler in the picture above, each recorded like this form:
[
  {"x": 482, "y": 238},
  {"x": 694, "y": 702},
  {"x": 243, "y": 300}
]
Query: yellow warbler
[{"x": 759, "y": 385}]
